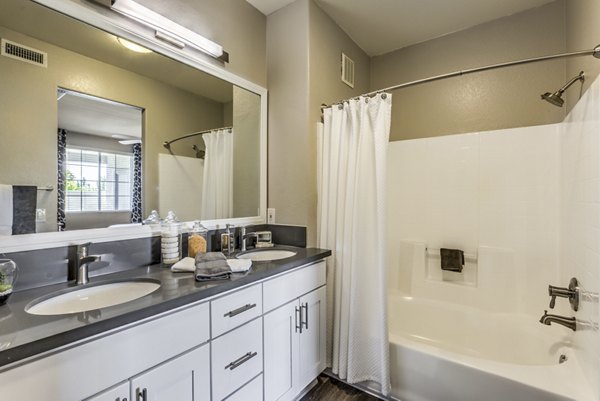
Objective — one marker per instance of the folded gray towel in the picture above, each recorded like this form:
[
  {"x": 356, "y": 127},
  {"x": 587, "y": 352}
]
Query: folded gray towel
[
  {"x": 212, "y": 266},
  {"x": 452, "y": 259},
  {"x": 24, "y": 204}
]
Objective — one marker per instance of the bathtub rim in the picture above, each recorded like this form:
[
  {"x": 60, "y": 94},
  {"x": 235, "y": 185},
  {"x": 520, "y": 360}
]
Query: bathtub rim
[{"x": 572, "y": 383}]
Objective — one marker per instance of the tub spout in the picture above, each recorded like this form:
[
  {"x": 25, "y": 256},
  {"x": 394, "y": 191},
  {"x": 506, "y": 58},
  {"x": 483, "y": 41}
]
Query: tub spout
[{"x": 568, "y": 322}]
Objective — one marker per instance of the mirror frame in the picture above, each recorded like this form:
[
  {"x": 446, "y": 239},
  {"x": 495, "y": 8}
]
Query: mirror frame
[{"x": 103, "y": 18}]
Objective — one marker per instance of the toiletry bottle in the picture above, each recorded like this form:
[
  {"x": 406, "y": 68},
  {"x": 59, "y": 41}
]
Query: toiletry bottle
[
  {"x": 170, "y": 239},
  {"x": 197, "y": 239}
]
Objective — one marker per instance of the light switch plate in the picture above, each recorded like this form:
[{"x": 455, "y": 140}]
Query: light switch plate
[{"x": 271, "y": 215}]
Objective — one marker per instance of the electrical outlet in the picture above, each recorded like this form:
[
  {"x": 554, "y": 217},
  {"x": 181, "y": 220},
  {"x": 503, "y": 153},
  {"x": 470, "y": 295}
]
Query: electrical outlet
[
  {"x": 40, "y": 215},
  {"x": 271, "y": 215}
]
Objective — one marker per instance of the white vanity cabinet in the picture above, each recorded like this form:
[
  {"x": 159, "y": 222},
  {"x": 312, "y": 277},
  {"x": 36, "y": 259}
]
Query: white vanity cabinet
[
  {"x": 264, "y": 341},
  {"x": 252, "y": 391},
  {"x": 237, "y": 358},
  {"x": 117, "y": 393},
  {"x": 294, "y": 333},
  {"x": 97, "y": 365},
  {"x": 237, "y": 342},
  {"x": 185, "y": 378},
  {"x": 281, "y": 354},
  {"x": 312, "y": 337}
]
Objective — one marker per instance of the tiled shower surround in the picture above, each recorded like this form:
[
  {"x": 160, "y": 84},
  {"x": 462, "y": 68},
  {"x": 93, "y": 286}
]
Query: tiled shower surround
[
  {"x": 525, "y": 201},
  {"x": 580, "y": 219}
]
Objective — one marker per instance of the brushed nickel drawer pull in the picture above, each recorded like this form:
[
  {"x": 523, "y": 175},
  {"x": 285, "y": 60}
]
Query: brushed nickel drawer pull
[
  {"x": 141, "y": 395},
  {"x": 241, "y": 361},
  {"x": 304, "y": 321},
  {"x": 239, "y": 310},
  {"x": 298, "y": 316}
]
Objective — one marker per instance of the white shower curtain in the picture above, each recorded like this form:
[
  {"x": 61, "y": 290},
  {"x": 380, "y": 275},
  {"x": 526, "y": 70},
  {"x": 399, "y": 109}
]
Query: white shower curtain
[
  {"x": 217, "y": 185},
  {"x": 352, "y": 149}
]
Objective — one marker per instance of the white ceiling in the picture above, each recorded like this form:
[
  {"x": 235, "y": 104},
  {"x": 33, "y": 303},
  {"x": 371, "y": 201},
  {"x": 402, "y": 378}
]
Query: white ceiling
[
  {"x": 381, "y": 26},
  {"x": 91, "y": 115}
]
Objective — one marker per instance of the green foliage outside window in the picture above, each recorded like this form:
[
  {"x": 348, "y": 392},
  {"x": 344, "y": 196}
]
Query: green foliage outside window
[{"x": 70, "y": 183}]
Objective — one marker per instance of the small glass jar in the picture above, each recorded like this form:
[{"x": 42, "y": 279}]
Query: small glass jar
[
  {"x": 153, "y": 218},
  {"x": 197, "y": 239},
  {"x": 170, "y": 240},
  {"x": 8, "y": 276}
]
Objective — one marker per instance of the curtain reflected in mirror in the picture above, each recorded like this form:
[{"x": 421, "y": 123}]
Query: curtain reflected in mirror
[{"x": 217, "y": 186}]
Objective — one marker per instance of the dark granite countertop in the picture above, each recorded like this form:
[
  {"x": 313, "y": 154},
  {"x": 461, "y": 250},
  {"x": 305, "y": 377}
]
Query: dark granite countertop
[{"x": 23, "y": 335}]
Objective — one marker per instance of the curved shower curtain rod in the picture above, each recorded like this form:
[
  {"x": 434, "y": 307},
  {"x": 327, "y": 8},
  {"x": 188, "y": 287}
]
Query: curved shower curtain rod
[
  {"x": 167, "y": 144},
  {"x": 593, "y": 52}
]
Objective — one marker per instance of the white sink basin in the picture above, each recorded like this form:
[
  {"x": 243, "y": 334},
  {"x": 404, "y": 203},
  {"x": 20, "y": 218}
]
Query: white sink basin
[
  {"x": 92, "y": 297},
  {"x": 261, "y": 255}
]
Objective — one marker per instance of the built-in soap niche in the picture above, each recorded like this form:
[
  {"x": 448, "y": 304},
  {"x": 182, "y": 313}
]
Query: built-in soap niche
[{"x": 434, "y": 272}]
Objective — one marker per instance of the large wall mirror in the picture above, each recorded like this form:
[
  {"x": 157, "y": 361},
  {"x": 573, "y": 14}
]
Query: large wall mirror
[{"x": 87, "y": 126}]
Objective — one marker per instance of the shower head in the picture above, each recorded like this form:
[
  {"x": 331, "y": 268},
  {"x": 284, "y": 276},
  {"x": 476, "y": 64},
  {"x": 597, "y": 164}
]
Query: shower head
[
  {"x": 556, "y": 97},
  {"x": 200, "y": 153}
]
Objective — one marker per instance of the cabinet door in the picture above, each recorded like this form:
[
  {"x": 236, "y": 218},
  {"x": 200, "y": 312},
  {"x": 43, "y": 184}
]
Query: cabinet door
[
  {"x": 312, "y": 338},
  {"x": 185, "y": 378},
  {"x": 281, "y": 352},
  {"x": 117, "y": 393}
]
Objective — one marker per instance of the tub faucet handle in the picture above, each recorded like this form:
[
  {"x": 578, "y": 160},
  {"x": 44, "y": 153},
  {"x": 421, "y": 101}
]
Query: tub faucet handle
[
  {"x": 552, "y": 300},
  {"x": 571, "y": 293}
]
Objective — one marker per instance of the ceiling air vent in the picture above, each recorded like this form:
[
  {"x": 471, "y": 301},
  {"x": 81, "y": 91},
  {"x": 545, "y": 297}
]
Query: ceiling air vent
[
  {"x": 347, "y": 71},
  {"x": 23, "y": 53}
]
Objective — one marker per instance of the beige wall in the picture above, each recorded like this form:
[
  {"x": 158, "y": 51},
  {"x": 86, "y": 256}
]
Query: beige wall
[
  {"x": 29, "y": 128},
  {"x": 234, "y": 24},
  {"x": 583, "y": 32},
  {"x": 303, "y": 67},
  {"x": 180, "y": 179},
  {"x": 246, "y": 153},
  {"x": 304, "y": 53},
  {"x": 228, "y": 114},
  {"x": 289, "y": 189},
  {"x": 504, "y": 98},
  {"x": 327, "y": 42},
  {"x": 30, "y": 123}
]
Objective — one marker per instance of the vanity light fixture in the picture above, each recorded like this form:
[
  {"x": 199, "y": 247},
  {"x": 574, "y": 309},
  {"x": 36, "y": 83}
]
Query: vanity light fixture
[
  {"x": 167, "y": 30},
  {"x": 133, "y": 46},
  {"x": 126, "y": 139},
  {"x": 130, "y": 141}
]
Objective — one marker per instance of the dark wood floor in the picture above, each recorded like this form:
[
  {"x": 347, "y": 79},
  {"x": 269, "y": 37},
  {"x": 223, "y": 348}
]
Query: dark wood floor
[{"x": 333, "y": 390}]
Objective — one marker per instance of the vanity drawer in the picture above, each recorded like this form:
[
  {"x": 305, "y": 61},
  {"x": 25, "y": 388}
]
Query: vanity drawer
[
  {"x": 287, "y": 287},
  {"x": 237, "y": 357},
  {"x": 252, "y": 391},
  {"x": 235, "y": 309}
]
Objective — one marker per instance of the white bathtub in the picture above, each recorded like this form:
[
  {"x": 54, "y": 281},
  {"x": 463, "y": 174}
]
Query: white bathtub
[{"x": 449, "y": 352}]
